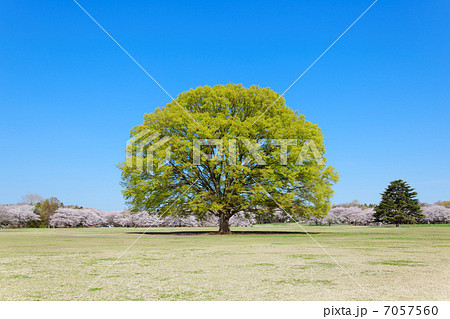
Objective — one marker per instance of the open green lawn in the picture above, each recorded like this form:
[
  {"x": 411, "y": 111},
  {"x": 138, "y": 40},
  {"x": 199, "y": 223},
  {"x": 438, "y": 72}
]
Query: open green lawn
[{"x": 406, "y": 263}]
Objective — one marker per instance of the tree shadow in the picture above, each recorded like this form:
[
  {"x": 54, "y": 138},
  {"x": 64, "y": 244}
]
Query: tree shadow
[{"x": 238, "y": 232}]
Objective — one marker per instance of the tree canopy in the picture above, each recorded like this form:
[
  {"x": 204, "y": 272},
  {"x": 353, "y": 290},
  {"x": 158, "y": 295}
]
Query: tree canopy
[
  {"x": 242, "y": 150},
  {"x": 398, "y": 204}
]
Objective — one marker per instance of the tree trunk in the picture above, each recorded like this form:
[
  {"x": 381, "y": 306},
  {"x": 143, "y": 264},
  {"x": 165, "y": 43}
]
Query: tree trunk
[
  {"x": 396, "y": 225},
  {"x": 224, "y": 224}
]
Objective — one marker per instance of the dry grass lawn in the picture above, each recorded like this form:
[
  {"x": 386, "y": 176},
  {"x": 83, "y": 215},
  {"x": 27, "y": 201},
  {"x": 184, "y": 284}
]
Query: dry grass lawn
[{"x": 406, "y": 263}]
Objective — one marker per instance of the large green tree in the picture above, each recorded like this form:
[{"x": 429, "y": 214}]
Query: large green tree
[
  {"x": 398, "y": 205},
  {"x": 227, "y": 155}
]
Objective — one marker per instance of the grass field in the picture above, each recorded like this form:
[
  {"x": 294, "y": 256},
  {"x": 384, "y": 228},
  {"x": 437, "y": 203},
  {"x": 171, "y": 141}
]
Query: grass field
[{"x": 406, "y": 263}]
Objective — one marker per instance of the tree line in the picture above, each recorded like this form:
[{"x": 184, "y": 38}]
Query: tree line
[
  {"x": 398, "y": 205},
  {"x": 359, "y": 215},
  {"x": 27, "y": 215}
]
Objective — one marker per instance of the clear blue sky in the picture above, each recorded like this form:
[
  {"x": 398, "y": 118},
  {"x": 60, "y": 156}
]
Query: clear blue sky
[{"x": 69, "y": 95}]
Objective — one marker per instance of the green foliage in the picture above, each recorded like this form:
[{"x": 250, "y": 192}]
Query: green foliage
[
  {"x": 219, "y": 186},
  {"x": 445, "y": 203},
  {"x": 398, "y": 205},
  {"x": 45, "y": 209}
]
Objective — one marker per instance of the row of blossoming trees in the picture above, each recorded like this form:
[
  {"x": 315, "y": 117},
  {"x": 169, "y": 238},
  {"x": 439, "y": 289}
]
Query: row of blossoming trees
[
  {"x": 18, "y": 215},
  {"x": 25, "y": 216},
  {"x": 357, "y": 215},
  {"x": 88, "y": 217}
]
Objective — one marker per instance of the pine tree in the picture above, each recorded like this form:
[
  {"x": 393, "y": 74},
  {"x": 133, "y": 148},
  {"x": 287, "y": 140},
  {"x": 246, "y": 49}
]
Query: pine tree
[{"x": 398, "y": 204}]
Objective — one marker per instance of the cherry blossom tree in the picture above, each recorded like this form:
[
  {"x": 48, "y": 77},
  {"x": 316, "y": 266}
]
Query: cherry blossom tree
[
  {"x": 436, "y": 214},
  {"x": 116, "y": 218},
  {"x": 334, "y": 216},
  {"x": 345, "y": 214},
  {"x": 242, "y": 219},
  {"x": 72, "y": 217},
  {"x": 65, "y": 217},
  {"x": 271, "y": 216},
  {"x": 179, "y": 221},
  {"x": 350, "y": 215},
  {"x": 17, "y": 215},
  {"x": 366, "y": 217},
  {"x": 315, "y": 220},
  {"x": 141, "y": 219}
]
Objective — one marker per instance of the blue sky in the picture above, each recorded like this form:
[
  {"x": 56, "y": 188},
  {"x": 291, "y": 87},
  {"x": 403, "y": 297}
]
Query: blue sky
[{"x": 69, "y": 95}]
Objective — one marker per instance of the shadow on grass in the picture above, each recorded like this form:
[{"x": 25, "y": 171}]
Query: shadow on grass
[{"x": 238, "y": 232}]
